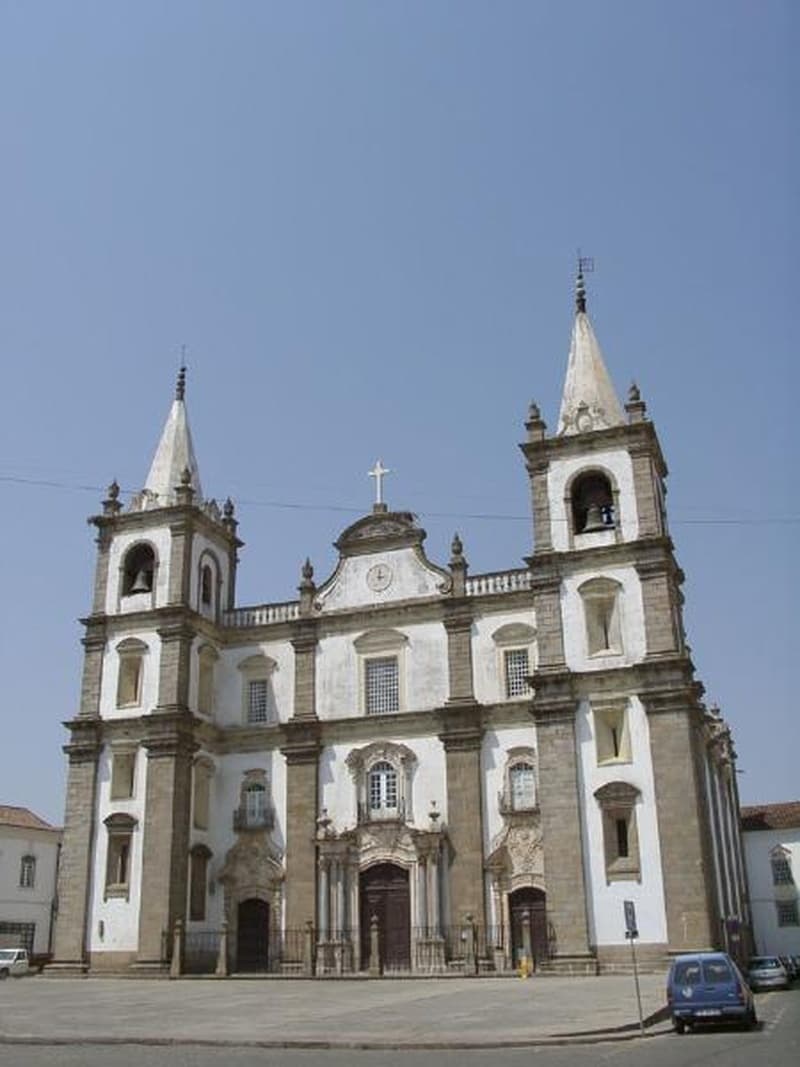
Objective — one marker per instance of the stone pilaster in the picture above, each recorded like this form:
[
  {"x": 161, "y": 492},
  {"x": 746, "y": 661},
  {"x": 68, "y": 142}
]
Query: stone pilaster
[
  {"x": 174, "y": 667},
  {"x": 458, "y": 624},
  {"x": 77, "y": 848},
  {"x": 660, "y": 598},
  {"x": 180, "y": 561},
  {"x": 94, "y": 644},
  {"x": 540, "y": 499},
  {"x": 170, "y": 747},
  {"x": 549, "y": 624},
  {"x": 644, "y": 486},
  {"x": 103, "y": 542},
  {"x": 686, "y": 867},
  {"x": 304, "y": 643},
  {"x": 462, "y": 734},
  {"x": 301, "y": 750},
  {"x": 554, "y": 709}
]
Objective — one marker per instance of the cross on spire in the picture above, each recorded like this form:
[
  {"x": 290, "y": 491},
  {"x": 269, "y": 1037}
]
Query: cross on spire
[{"x": 378, "y": 472}]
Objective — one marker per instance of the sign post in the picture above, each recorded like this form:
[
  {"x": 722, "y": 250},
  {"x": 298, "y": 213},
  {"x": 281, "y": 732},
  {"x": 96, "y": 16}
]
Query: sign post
[{"x": 632, "y": 933}]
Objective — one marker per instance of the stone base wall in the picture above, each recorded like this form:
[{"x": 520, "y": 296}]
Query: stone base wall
[
  {"x": 651, "y": 958},
  {"x": 569, "y": 965},
  {"x": 111, "y": 962}
]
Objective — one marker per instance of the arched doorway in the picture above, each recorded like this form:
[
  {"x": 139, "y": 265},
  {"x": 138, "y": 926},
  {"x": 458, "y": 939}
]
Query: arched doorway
[
  {"x": 530, "y": 901},
  {"x": 252, "y": 935},
  {"x": 384, "y": 893}
]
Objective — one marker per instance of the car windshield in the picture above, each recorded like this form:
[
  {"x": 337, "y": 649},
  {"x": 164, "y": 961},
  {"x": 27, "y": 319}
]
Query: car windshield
[
  {"x": 688, "y": 973},
  {"x": 7, "y": 954},
  {"x": 716, "y": 971},
  {"x": 764, "y": 961}
]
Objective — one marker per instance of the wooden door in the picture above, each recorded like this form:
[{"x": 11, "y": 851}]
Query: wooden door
[
  {"x": 384, "y": 893},
  {"x": 532, "y": 901},
  {"x": 252, "y": 937}
]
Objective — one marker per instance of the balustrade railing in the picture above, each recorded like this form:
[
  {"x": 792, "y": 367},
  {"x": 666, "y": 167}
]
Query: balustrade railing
[
  {"x": 262, "y": 614},
  {"x": 369, "y": 814},
  {"x": 499, "y": 582},
  {"x": 261, "y": 820}
]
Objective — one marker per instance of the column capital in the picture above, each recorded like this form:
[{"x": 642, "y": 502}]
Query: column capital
[
  {"x": 461, "y": 726},
  {"x": 302, "y": 744},
  {"x": 85, "y": 740}
]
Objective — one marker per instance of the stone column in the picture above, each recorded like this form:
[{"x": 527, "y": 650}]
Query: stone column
[
  {"x": 170, "y": 747},
  {"x": 546, "y": 588},
  {"x": 174, "y": 666},
  {"x": 94, "y": 644},
  {"x": 644, "y": 485},
  {"x": 77, "y": 848},
  {"x": 554, "y": 709},
  {"x": 324, "y": 901},
  {"x": 687, "y": 876},
  {"x": 433, "y": 895},
  {"x": 304, "y": 643},
  {"x": 180, "y": 561},
  {"x": 542, "y": 532},
  {"x": 660, "y": 598},
  {"x": 103, "y": 541},
  {"x": 301, "y": 750},
  {"x": 458, "y": 624},
  {"x": 462, "y": 734}
]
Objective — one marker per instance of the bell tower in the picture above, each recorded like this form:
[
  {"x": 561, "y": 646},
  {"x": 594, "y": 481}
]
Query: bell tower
[
  {"x": 612, "y": 650},
  {"x": 164, "y": 575}
]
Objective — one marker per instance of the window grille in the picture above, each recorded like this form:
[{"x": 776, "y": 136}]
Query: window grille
[
  {"x": 517, "y": 671},
  {"x": 523, "y": 787},
  {"x": 382, "y": 685},
  {"x": 383, "y": 787},
  {"x": 781, "y": 871},
  {"x": 787, "y": 913},
  {"x": 257, "y": 700},
  {"x": 27, "y": 872}
]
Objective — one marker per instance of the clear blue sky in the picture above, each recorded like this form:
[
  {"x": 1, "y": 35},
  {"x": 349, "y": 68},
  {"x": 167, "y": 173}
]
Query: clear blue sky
[{"x": 361, "y": 218}]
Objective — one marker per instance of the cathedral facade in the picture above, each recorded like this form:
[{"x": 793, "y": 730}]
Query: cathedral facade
[{"x": 409, "y": 768}]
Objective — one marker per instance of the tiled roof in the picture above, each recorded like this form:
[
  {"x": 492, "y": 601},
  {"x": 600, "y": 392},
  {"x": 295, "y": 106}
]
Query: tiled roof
[
  {"x": 23, "y": 817},
  {"x": 771, "y": 816}
]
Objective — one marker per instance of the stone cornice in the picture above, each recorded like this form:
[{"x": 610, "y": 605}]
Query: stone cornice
[
  {"x": 188, "y": 515},
  {"x": 85, "y": 742},
  {"x": 301, "y": 741},
  {"x": 461, "y": 726},
  {"x": 169, "y": 733},
  {"x": 632, "y": 437},
  {"x": 653, "y": 554},
  {"x": 458, "y": 614}
]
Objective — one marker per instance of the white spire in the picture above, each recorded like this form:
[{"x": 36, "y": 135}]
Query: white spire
[
  {"x": 175, "y": 453},
  {"x": 589, "y": 401}
]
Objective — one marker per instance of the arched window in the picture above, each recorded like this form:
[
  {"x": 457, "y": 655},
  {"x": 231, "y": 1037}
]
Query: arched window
[
  {"x": 206, "y": 584},
  {"x": 138, "y": 572},
  {"x": 27, "y": 872},
  {"x": 255, "y": 803},
  {"x": 592, "y": 501},
  {"x": 255, "y": 811},
  {"x": 617, "y": 801},
  {"x": 781, "y": 863},
  {"x": 383, "y": 787},
  {"x": 120, "y": 829},
  {"x": 131, "y": 654}
]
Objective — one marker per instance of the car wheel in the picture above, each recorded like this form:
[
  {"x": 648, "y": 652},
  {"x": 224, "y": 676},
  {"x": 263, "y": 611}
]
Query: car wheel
[
  {"x": 3, "y": 974},
  {"x": 680, "y": 1026},
  {"x": 752, "y": 1020}
]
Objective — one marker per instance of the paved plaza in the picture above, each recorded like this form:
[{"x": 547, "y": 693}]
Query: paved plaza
[{"x": 411, "y": 1013}]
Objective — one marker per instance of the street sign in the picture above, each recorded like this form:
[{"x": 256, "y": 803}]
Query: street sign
[{"x": 630, "y": 919}]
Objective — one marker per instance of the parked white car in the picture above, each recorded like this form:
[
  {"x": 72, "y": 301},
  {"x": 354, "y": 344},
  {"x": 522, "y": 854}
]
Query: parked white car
[{"x": 13, "y": 961}]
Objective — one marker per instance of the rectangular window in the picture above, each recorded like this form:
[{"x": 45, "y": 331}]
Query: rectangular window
[
  {"x": 118, "y": 866},
  {"x": 612, "y": 738},
  {"x": 382, "y": 685},
  {"x": 787, "y": 913},
  {"x": 257, "y": 693},
  {"x": 129, "y": 682},
  {"x": 622, "y": 838},
  {"x": 123, "y": 764},
  {"x": 517, "y": 670},
  {"x": 27, "y": 872},
  {"x": 197, "y": 884}
]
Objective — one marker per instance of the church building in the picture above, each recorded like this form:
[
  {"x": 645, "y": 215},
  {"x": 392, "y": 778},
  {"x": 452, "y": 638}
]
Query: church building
[{"x": 409, "y": 768}]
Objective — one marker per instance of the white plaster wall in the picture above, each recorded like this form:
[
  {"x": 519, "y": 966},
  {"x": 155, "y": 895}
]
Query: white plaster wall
[
  {"x": 120, "y": 917},
  {"x": 606, "y": 921},
  {"x": 769, "y": 937},
  {"x": 33, "y": 905},
  {"x": 110, "y": 676},
  {"x": 226, "y": 785},
  {"x": 160, "y": 539},
  {"x": 423, "y": 671},
  {"x": 337, "y": 788},
  {"x": 631, "y": 611},
  {"x": 618, "y": 463},
  {"x": 487, "y": 661},
  {"x": 201, "y": 544},
  {"x": 494, "y": 757},
  {"x": 229, "y": 680},
  {"x": 411, "y": 578}
]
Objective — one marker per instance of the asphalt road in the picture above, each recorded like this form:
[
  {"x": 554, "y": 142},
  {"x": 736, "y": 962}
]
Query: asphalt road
[{"x": 775, "y": 1044}]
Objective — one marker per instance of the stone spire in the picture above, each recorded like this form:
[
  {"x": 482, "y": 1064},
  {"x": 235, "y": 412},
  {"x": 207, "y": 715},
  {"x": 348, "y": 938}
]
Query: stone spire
[
  {"x": 589, "y": 401},
  {"x": 174, "y": 455}
]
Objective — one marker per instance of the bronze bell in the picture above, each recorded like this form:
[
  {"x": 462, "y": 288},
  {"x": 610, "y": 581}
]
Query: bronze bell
[
  {"x": 594, "y": 519},
  {"x": 142, "y": 583}
]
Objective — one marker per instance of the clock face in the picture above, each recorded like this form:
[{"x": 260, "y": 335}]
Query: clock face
[{"x": 379, "y": 577}]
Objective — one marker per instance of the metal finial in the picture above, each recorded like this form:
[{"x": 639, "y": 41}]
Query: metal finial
[
  {"x": 307, "y": 572},
  {"x": 634, "y": 396},
  {"x": 227, "y": 508},
  {"x": 180, "y": 387},
  {"x": 457, "y": 547},
  {"x": 186, "y": 476},
  {"x": 533, "y": 411},
  {"x": 580, "y": 291},
  {"x": 113, "y": 490}
]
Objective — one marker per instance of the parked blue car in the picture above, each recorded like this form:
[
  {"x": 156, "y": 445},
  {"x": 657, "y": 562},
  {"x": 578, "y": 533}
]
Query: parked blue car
[{"x": 708, "y": 987}]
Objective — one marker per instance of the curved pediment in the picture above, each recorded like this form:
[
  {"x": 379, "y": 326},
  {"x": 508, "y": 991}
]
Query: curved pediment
[{"x": 382, "y": 530}]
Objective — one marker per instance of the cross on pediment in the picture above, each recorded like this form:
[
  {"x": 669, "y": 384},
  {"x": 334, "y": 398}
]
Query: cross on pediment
[{"x": 378, "y": 472}]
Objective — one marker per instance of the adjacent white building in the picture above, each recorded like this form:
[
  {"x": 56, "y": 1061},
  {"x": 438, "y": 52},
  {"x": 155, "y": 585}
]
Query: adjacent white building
[
  {"x": 409, "y": 767},
  {"x": 771, "y": 836},
  {"x": 29, "y": 850}
]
